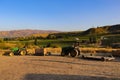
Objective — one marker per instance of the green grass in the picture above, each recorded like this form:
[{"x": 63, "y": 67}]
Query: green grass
[
  {"x": 41, "y": 43},
  {"x": 44, "y": 42}
]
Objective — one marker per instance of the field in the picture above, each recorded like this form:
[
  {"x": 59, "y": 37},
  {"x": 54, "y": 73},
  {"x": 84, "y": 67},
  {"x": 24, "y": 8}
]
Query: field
[{"x": 57, "y": 68}]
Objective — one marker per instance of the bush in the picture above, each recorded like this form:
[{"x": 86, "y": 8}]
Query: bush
[
  {"x": 55, "y": 46},
  {"x": 1, "y": 40}
]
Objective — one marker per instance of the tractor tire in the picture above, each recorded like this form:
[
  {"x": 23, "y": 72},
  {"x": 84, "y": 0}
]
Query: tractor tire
[
  {"x": 62, "y": 54},
  {"x": 73, "y": 53},
  {"x": 23, "y": 53},
  {"x": 78, "y": 52},
  {"x": 103, "y": 59},
  {"x": 11, "y": 54}
]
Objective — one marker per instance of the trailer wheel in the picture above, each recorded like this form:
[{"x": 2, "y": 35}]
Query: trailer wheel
[{"x": 83, "y": 56}]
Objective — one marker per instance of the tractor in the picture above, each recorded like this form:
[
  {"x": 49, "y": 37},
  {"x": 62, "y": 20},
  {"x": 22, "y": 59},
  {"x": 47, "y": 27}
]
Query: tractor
[
  {"x": 17, "y": 51},
  {"x": 71, "y": 50}
]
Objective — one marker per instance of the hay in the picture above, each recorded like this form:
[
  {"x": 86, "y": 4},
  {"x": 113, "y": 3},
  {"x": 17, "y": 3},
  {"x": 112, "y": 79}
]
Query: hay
[
  {"x": 52, "y": 50},
  {"x": 31, "y": 51},
  {"x": 116, "y": 53},
  {"x": 1, "y": 52},
  {"x": 105, "y": 51},
  {"x": 4, "y": 52},
  {"x": 88, "y": 50}
]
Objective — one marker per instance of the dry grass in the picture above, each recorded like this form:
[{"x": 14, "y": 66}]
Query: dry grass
[
  {"x": 98, "y": 50},
  {"x": 116, "y": 53},
  {"x": 102, "y": 51},
  {"x": 44, "y": 35},
  {"x": 7, "y": 45},
  {"x": 4, "y": 52}
]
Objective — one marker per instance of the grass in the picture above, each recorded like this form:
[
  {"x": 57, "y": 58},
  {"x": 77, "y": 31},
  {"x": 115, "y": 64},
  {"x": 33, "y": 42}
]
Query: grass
[
  {"x": 6, "y": 45},
  {"x": 40, "y": 43},
  {"x": 57, "y": 42}
]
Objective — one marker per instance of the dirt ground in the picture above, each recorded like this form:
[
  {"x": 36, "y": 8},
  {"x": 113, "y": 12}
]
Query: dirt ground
[{"x": 56, "y": 68}]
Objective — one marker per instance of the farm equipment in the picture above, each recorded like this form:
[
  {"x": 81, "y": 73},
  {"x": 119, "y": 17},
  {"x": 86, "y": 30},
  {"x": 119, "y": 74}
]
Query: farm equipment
[
  {"x": 106, "y": 57},
  {"x": 17, "y": 51},
  {"x": 71, "y": 50}
]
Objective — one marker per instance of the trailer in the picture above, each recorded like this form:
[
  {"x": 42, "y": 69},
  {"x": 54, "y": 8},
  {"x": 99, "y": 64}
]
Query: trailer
[{"x": 98, "y": 57}]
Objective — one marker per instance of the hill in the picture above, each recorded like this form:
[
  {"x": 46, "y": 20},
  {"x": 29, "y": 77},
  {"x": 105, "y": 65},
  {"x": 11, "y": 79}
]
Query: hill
[
  {"x": 28, "y": 32},
  {"x": 103, "y": 30},
  {"x": 113, "y": 29}
]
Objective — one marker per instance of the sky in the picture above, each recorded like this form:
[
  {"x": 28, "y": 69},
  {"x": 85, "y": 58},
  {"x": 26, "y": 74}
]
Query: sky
[{"x": 61, "y": 15}]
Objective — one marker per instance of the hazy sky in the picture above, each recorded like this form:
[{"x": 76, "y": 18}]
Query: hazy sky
[{"x": 63, "y": 15}]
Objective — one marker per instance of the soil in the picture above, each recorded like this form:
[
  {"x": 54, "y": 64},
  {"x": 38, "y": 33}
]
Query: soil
[{"x": 57, "y": 68}]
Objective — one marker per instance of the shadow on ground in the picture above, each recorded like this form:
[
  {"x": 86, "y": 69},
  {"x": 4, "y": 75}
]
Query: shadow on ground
[
  {"x": 68, "y": 62},
  {"x": 64, "y": 77}
]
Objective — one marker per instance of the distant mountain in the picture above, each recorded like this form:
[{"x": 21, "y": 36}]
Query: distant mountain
[
  {"x": 104, "y": 29},
  {"x": 112, "y": 29},
  {"x": 27, "y": 32}
]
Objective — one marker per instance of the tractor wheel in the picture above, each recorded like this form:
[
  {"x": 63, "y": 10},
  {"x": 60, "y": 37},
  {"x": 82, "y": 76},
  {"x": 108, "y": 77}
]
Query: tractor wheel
[
  {"x": 66, "y": 53},
  {"x": 103, "y": 59},
  {"x": 11, "y": 54},
  {"x": 73, "y": 53},
  {"x": 78, "y": 52},
  {"x": 23, "y": 53},
  {"x": 62, "y": 54}
]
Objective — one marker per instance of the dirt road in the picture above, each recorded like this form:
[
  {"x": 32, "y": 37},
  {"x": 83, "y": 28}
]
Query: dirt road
[{"x": 56, "y": 68}]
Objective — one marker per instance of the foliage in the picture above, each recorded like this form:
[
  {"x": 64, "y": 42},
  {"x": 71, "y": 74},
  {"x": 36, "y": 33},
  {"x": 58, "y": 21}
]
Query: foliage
[
  {"x": 35, "y": 42},
  {"x": 48, "y": 45},
  {"x": 1, "y": 40},
  {"x": 109, "y": 40},
  {"x": 93, "y": 39}
]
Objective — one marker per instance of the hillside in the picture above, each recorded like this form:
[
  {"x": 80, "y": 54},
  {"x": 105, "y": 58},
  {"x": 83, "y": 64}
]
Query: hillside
[
  {"x": 21, "y": 33},
  {"x": 103, "y": 30},
  {"x": 113, "y": 29}
]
